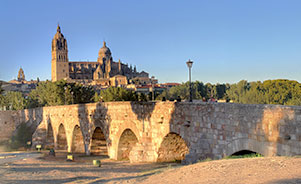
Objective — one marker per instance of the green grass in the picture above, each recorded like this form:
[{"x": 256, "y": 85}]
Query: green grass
[{"x": 252, "y": 155}]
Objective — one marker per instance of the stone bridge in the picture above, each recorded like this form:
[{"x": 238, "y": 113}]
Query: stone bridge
[{"x": 169, "y": 131}]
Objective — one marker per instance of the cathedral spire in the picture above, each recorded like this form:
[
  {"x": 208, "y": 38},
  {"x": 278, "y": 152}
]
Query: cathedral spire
[
  {"x": 104, "y": 44},
  {"x": 58, "y": 29}
]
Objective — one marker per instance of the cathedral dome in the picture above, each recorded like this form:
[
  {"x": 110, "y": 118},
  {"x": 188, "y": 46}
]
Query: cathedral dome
[{"x": 104, "y": 50}]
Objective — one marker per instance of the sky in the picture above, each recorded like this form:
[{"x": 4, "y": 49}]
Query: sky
[{"x": 228, "y": 40}]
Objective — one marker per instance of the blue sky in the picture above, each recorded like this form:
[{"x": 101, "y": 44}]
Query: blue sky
[{"x": 228, "y": 40}]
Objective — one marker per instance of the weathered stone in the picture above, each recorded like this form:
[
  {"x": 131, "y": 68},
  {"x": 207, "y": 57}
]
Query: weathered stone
[{"x": 131, "y": 130}]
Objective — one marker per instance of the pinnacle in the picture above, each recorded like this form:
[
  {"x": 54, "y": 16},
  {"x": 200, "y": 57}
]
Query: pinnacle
[{"x": 58, "y": 28}]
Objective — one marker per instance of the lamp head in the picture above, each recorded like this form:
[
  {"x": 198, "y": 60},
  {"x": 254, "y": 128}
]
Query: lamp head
[{"x": 189, "y": 63}]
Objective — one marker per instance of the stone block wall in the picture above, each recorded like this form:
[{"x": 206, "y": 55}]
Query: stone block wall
[
  {"x": 10, "y": 121},
  {"x": 162, "y": 129}
]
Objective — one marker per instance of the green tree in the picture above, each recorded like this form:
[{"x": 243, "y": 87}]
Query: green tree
[
  {"x": 60, "y": 93},
  {"x": 237, "y": 91},
  {"x": 117, "y": 94},
  {"x": 199, "y": 91},
  {"x": 15, "y": 100},
  {"x": 2, "y": 99},
  {"x": 22, "y": 135}
]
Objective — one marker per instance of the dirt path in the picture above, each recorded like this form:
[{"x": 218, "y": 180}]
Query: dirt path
[
  {"x": 58, "y": 170},
  {"x": 247, "y": 171},
  {"x": 15, "y": 156},
  {"x": 274, "y": 170}
]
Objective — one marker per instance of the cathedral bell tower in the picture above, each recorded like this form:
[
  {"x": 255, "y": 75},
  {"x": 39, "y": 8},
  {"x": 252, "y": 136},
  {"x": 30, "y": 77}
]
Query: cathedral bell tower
[{"x": 59, "y": 54}]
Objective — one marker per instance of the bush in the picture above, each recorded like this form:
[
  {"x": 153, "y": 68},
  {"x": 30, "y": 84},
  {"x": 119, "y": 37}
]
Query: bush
[{"x": 21, "y": 137}]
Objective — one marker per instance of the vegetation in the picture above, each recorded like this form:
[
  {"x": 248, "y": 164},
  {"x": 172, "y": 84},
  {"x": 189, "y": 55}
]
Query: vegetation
[
  {"x": 15, "y": 100},
  {"x": 251, "y": 155},
  {"x": 283, "y": 92},
  {"x": 2, "y": 98},
  {"x": 60, "y": 93},
  {"x": 199, "y": 91},
  {"x": 22, "y": 136},
  {"x": 116, "y": 94},
  {"x": 48, "y": 94}
]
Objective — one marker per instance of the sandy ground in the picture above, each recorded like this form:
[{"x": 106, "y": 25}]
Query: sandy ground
[{"x": 241, "y": 171}]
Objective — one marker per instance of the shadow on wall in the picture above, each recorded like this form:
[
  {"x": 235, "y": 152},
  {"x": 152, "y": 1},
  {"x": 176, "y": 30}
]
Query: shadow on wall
[
  {"x": 218, "y": 130},
  {"x": 159, "y": 141},
  {"x": 169, "y": 132},
  {"x": 143, "y": 110},
  {"x": 25, "y": 126},
  {"x": 176, "y": 143},
  {"x": 95, "y": 127},
  {"x": 79, "y": 128},
  {"x": 271, "y": 130},
  {"x": 49, "y": 143},
  {"x": 279, "y": 128}
]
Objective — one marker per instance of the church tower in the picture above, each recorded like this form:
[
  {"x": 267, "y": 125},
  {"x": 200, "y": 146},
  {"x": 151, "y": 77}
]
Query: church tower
[
  {"x": 21, "y": 76},
  {"x": 59, "y": 54}
]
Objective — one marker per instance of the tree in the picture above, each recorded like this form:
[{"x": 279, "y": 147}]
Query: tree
[
  {"x": 2, "y": 99},
  {"x": 60, "y": 93},
  {"x": 117, "y": 94},
  {"x": 199, "y": 91},
  {"x": 15, "y": 100},
  {"x": 237, "y": 91},
  {"x": 1, "y": 90}
]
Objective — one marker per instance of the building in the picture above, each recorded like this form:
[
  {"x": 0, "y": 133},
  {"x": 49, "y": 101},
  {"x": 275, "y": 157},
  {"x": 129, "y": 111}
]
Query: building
[
  {"x": 104, "y": 71},
  {"x": 20, "y": 84}
]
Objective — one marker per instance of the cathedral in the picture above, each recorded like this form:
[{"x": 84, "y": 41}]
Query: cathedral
[{"x": 104, "y": 71}]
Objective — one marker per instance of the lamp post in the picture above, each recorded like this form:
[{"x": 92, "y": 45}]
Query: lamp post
[
  {"x": 153, "y": 90},
  {"x": 189, "y": 64}
]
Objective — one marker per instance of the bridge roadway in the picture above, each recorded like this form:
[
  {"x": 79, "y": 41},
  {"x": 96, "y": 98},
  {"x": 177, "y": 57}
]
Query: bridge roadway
[{"x": 168, "y": 131}]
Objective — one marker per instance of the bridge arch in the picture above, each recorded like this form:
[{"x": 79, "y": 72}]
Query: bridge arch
[
  {"x": 243, "y": 153},
  {"x": 172, "y": 148},
  {"x": 127, "y": 141},
  {"x": 49, "y": 137},
  {"x": 98, "y": 142},
  {"x": 78, "y": 145},
  {"x": 239, "y": 145},
  {"x": 62, "y": 138}
]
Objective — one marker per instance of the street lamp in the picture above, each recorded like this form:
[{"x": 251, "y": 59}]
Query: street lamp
[
  {"x": 153, "y": 90},
  {"x": 189, "y": 64}
]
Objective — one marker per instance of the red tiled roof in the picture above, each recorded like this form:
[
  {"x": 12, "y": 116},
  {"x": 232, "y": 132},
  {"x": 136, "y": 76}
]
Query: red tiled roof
[
  {"x": 149, "y": 86},
  {"x": 171, "y": 84},
  {"x": 83, "y": 62}
]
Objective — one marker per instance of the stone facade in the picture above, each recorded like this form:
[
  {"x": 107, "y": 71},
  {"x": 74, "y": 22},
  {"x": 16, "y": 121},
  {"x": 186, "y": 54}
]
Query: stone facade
[
  {"x": 168, "y": 131},
  {"x": 100, "y": 71},
  {"x": 21, "y": 75}
]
